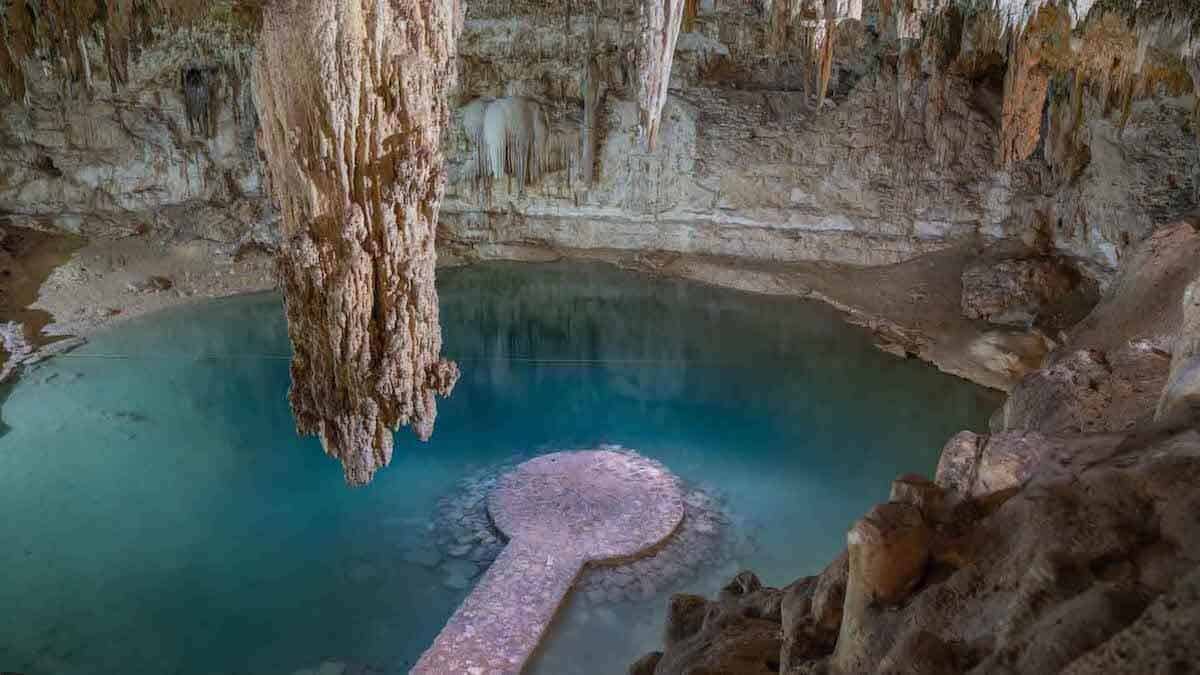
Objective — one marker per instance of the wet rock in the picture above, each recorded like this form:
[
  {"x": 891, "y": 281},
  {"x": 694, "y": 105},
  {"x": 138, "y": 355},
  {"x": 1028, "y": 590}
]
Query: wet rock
[
  {"x": 744, "y": 583},
  {"x": 459, "y": 574},
  {"x": 685, "y": 618},
  {"x": 425, "y": 556}
]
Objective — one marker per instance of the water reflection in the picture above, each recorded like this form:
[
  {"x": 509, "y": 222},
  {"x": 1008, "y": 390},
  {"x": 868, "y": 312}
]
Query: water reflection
[{"x": 160, "y": 514}]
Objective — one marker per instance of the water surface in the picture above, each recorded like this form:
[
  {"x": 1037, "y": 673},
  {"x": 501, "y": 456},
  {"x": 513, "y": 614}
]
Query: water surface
[{"x": 161, "y": 516}]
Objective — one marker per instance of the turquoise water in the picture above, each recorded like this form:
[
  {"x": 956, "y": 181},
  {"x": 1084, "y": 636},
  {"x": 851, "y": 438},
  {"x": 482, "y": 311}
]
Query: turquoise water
[{"x": 160, "y": 515}]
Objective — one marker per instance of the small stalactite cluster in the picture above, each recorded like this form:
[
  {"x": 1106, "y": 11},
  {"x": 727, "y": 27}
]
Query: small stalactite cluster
[
  {"x": 61, "y": 34},
  {"x": 813, "y": 24},
  {"x": 352, "y": 98},
  {"x": 513, "y": 138}
]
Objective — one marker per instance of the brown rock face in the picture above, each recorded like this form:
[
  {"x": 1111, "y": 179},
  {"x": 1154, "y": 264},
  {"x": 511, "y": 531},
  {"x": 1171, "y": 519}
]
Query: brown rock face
[
  {"x": 352, "y": 99},
  {"x": 1028, "y": 81},
  {"x": 888, "y": 551}
]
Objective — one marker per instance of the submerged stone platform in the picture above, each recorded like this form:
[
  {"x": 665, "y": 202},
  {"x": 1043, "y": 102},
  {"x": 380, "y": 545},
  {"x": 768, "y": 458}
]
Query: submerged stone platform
[{"x": 560, "y": 511}]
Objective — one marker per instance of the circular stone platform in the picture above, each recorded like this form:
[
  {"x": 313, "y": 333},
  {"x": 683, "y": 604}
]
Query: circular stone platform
[
  {"x": 560, "y": 512},
  {"x": 605, "y": 506}
]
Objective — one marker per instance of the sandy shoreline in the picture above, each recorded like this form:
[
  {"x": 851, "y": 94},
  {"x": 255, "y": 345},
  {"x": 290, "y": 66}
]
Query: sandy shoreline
[{"x": 911, "y": 308}]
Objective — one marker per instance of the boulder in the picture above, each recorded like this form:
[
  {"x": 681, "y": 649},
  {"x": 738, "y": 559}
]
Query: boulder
[
  {"x": 1015, "y": 291},
  {"x": 685, "y": 617},
  {"x": 959, "y": 462},
  {"x": 646, "y": 664},
  {"x": 888, "y": 550},
  {"x": 829, "y": 594},
  {"x": 919, "y": 491},
  {"x": 728, "y": 643},
  {"x": 802, "y": 641}
]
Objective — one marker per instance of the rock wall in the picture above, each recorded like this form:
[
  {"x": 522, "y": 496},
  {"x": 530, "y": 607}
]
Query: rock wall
[
  {"x": 172, "y": 150},
  {"x": 922, "y": 143},
  {"x": 909, "y": 150}
]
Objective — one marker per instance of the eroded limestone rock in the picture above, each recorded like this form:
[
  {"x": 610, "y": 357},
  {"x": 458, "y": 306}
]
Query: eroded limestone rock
[
  {"x": 1015, "y": 291},
  {"x": 1181, "y": 397},
  {"x": 352, "y": 100}
]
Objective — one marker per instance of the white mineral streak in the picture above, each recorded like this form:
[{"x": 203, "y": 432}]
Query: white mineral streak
[
  {"x": 659, "y": 23},
  {"x": 352, "y": 100}
]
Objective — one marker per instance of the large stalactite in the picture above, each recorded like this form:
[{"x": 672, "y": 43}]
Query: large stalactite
[
  {"x": 659, "y": 25},
  {"x": 352, "y": 100}
]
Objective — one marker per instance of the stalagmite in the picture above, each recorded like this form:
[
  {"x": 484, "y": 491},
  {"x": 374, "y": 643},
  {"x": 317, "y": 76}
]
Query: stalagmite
[
  {"x": 352, "y": 99},
  {"x": 659, "y": 24}
]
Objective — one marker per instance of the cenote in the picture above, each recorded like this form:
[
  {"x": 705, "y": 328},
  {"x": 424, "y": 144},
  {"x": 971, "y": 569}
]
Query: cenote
[{"x": 160, "y": 515}]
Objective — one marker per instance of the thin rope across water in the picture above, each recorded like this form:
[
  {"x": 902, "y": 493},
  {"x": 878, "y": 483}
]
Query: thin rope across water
[{"x": 483, "y": 359}]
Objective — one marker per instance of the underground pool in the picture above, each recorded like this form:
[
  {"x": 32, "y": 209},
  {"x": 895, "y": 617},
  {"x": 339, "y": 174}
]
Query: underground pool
[{"x": 160, "y": 515}]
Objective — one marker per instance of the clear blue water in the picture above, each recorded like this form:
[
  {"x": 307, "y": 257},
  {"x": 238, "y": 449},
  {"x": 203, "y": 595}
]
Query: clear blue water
[{"x": 160, "y": 515}]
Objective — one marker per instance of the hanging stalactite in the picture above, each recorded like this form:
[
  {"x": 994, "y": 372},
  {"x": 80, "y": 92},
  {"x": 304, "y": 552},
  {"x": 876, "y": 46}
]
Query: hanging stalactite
[
  {"x": 658, "y": 29},
  {"x": 352, "y": 100}
]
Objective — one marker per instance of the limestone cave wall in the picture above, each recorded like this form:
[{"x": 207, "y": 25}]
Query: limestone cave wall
[{"x": 935, "y": 125}]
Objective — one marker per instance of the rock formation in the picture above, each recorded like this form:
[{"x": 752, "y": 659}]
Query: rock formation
[
  {"x": 1054, "y": 544},
  {"x": 352, "y": 101}
]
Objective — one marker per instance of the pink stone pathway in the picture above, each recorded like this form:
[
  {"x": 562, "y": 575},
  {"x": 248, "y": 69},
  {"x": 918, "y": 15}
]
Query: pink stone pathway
[{"x": 560, "y": 511}]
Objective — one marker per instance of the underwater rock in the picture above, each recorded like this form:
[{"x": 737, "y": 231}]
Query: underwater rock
[{"x": 352, "y": 98}]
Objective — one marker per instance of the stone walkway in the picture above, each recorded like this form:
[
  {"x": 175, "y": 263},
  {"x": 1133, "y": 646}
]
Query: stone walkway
[{"x": 560, "y": 511}]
